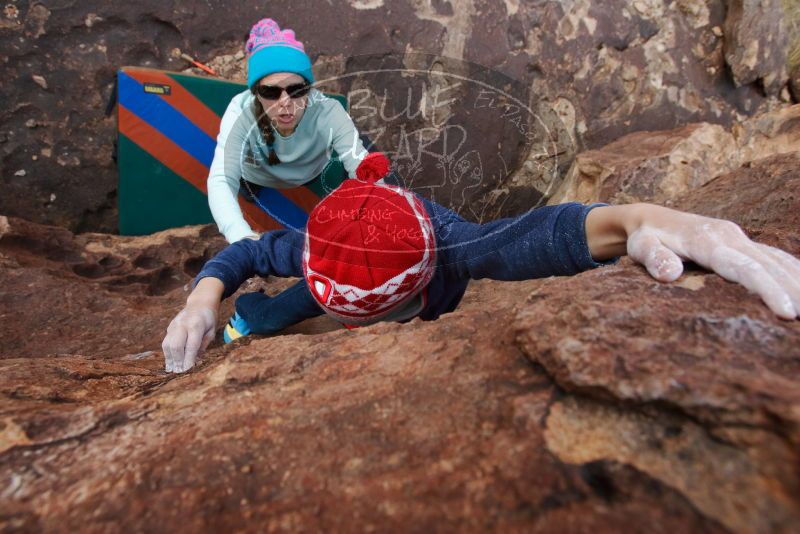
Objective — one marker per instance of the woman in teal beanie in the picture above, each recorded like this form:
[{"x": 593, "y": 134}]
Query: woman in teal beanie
[{"x": 279, "y": 133}]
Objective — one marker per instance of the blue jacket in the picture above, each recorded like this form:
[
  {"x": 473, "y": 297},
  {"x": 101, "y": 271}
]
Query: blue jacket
[{"x": 548, "y": 241}]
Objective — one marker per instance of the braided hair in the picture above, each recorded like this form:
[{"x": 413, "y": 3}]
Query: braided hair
[{"x": 265, "y": 127}]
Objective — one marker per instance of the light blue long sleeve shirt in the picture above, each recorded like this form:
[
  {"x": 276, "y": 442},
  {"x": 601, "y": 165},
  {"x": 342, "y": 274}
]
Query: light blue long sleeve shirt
[{"x": 241, "y": 152}]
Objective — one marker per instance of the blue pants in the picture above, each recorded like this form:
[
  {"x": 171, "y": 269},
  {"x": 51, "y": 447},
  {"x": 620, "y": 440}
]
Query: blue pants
[{"x": 267, "y": 315}]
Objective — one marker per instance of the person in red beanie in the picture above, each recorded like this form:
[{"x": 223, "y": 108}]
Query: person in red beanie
[{"x": 376, "y": 252}]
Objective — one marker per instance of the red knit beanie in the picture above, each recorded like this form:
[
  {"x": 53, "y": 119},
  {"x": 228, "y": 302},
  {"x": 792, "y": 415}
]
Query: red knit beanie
[{"x": 370, "y": 247}]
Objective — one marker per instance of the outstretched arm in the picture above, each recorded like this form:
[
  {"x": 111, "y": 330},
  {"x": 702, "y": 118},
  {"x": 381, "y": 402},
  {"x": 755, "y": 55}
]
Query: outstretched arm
[
  {"x": 191, "y": 331},
  {"x": 661, "y": 239}
]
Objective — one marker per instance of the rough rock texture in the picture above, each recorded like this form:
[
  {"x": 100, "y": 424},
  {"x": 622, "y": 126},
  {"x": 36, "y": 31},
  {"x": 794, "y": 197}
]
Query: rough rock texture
[
  {"x": 756, "y": 44},
  {"x": 652, "y": 166},
  {"x": 660, "y": 166},
  {"x": 95, "y": 294},
  {"x": 421, "y": 427},
  {"x": 604, "y": 402},
  {"x": 794, "y": 83},
  {"x": 694, "y": 348},
  {"x": 563, "y": 74},
  {"x": 99, "y": 295},
  {"x": 762, "y": 197},
  {"x": 777, "y": 132}
]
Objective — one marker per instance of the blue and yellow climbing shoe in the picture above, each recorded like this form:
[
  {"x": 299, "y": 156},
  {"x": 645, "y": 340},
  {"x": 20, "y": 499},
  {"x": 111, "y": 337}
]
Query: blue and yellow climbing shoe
[{"x": 236, "y": 328}]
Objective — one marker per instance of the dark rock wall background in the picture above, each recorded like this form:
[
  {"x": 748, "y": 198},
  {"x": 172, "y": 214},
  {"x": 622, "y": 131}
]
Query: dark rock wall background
[{"x": 601, "y": 70}]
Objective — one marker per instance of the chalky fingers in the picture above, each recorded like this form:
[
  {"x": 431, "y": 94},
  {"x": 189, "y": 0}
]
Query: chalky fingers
[
  {"x": 787, "y": 271},
  {"x": 662, "y": 263},
  {"x": 739, "y": 267},
  {"x": 194, "y": 341},
  {"x": 176, "y": 343},
  {"x": 168, "y": 365}
]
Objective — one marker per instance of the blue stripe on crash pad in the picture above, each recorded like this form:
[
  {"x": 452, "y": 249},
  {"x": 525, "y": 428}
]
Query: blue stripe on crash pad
[
  {"x": 282, "y": 209},
  {"x": 166, "y": 119}
]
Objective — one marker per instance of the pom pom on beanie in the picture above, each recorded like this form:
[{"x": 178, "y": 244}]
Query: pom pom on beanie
[
  {"x": 271, "y": 49},
  {"x": 374, "y": 167}
]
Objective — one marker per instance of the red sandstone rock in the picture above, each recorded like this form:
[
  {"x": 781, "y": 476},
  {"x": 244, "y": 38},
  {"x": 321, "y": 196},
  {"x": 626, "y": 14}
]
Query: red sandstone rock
[
  {"x": 661, "y": 166},
  {"x": 604, "y": 402},
  {"x": 442, "y": 425},
  {"x": 650, "y": 166},
  {"x": 425, "y": 426},
  {"x": 701, "y": 347},
  {"x": 762, "y": 197},
  {"x": 98, "y": 295},
  {"x": 93, "y": 294}
]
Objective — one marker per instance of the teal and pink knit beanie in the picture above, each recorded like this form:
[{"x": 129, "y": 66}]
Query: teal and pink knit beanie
[{"x": 270, "y": 50}]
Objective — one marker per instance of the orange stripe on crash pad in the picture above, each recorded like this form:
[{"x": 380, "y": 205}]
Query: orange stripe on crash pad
[
  {"x": 184, "y": 165},
  {"x": 302, "y": 197},
  {"x": 257, "y": 218},
  {"x": 180, "y": 99},
  {"x": 163, "y": 149}
]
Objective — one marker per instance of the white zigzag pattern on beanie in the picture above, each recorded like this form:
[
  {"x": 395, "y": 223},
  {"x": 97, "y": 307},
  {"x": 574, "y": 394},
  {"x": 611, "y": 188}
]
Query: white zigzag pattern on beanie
[
  {"x": 389, "y": 288},
  {"x": 353, "y": 293}
]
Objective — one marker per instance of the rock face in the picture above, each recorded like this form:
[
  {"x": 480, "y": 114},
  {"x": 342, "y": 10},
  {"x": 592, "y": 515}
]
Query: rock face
[
  {"x": 761, "y": 197},
  {"x": 701, "y": 363},
  {"x": 650, "y": 166},
  {"x": 423, "y": 426},
  {"x": 562, "y": 76},
  {"x": 601, "y": 402},
  {"x": 794, "y": 83},
  {"x": 59, "y": 291},
  {"x": 100, "y": 295},
  {"x": 705, "y": 354},
  {"x": 661, "y": 166},
  {"x": 756, "y": 43}
]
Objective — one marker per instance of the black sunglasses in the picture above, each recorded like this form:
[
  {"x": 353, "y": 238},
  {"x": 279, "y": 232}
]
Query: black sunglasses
[{"x": 274, "y": 92}]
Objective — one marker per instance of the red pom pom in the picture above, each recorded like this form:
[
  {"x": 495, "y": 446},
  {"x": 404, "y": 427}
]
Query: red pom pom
[{"x": 373, "y": 167}]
